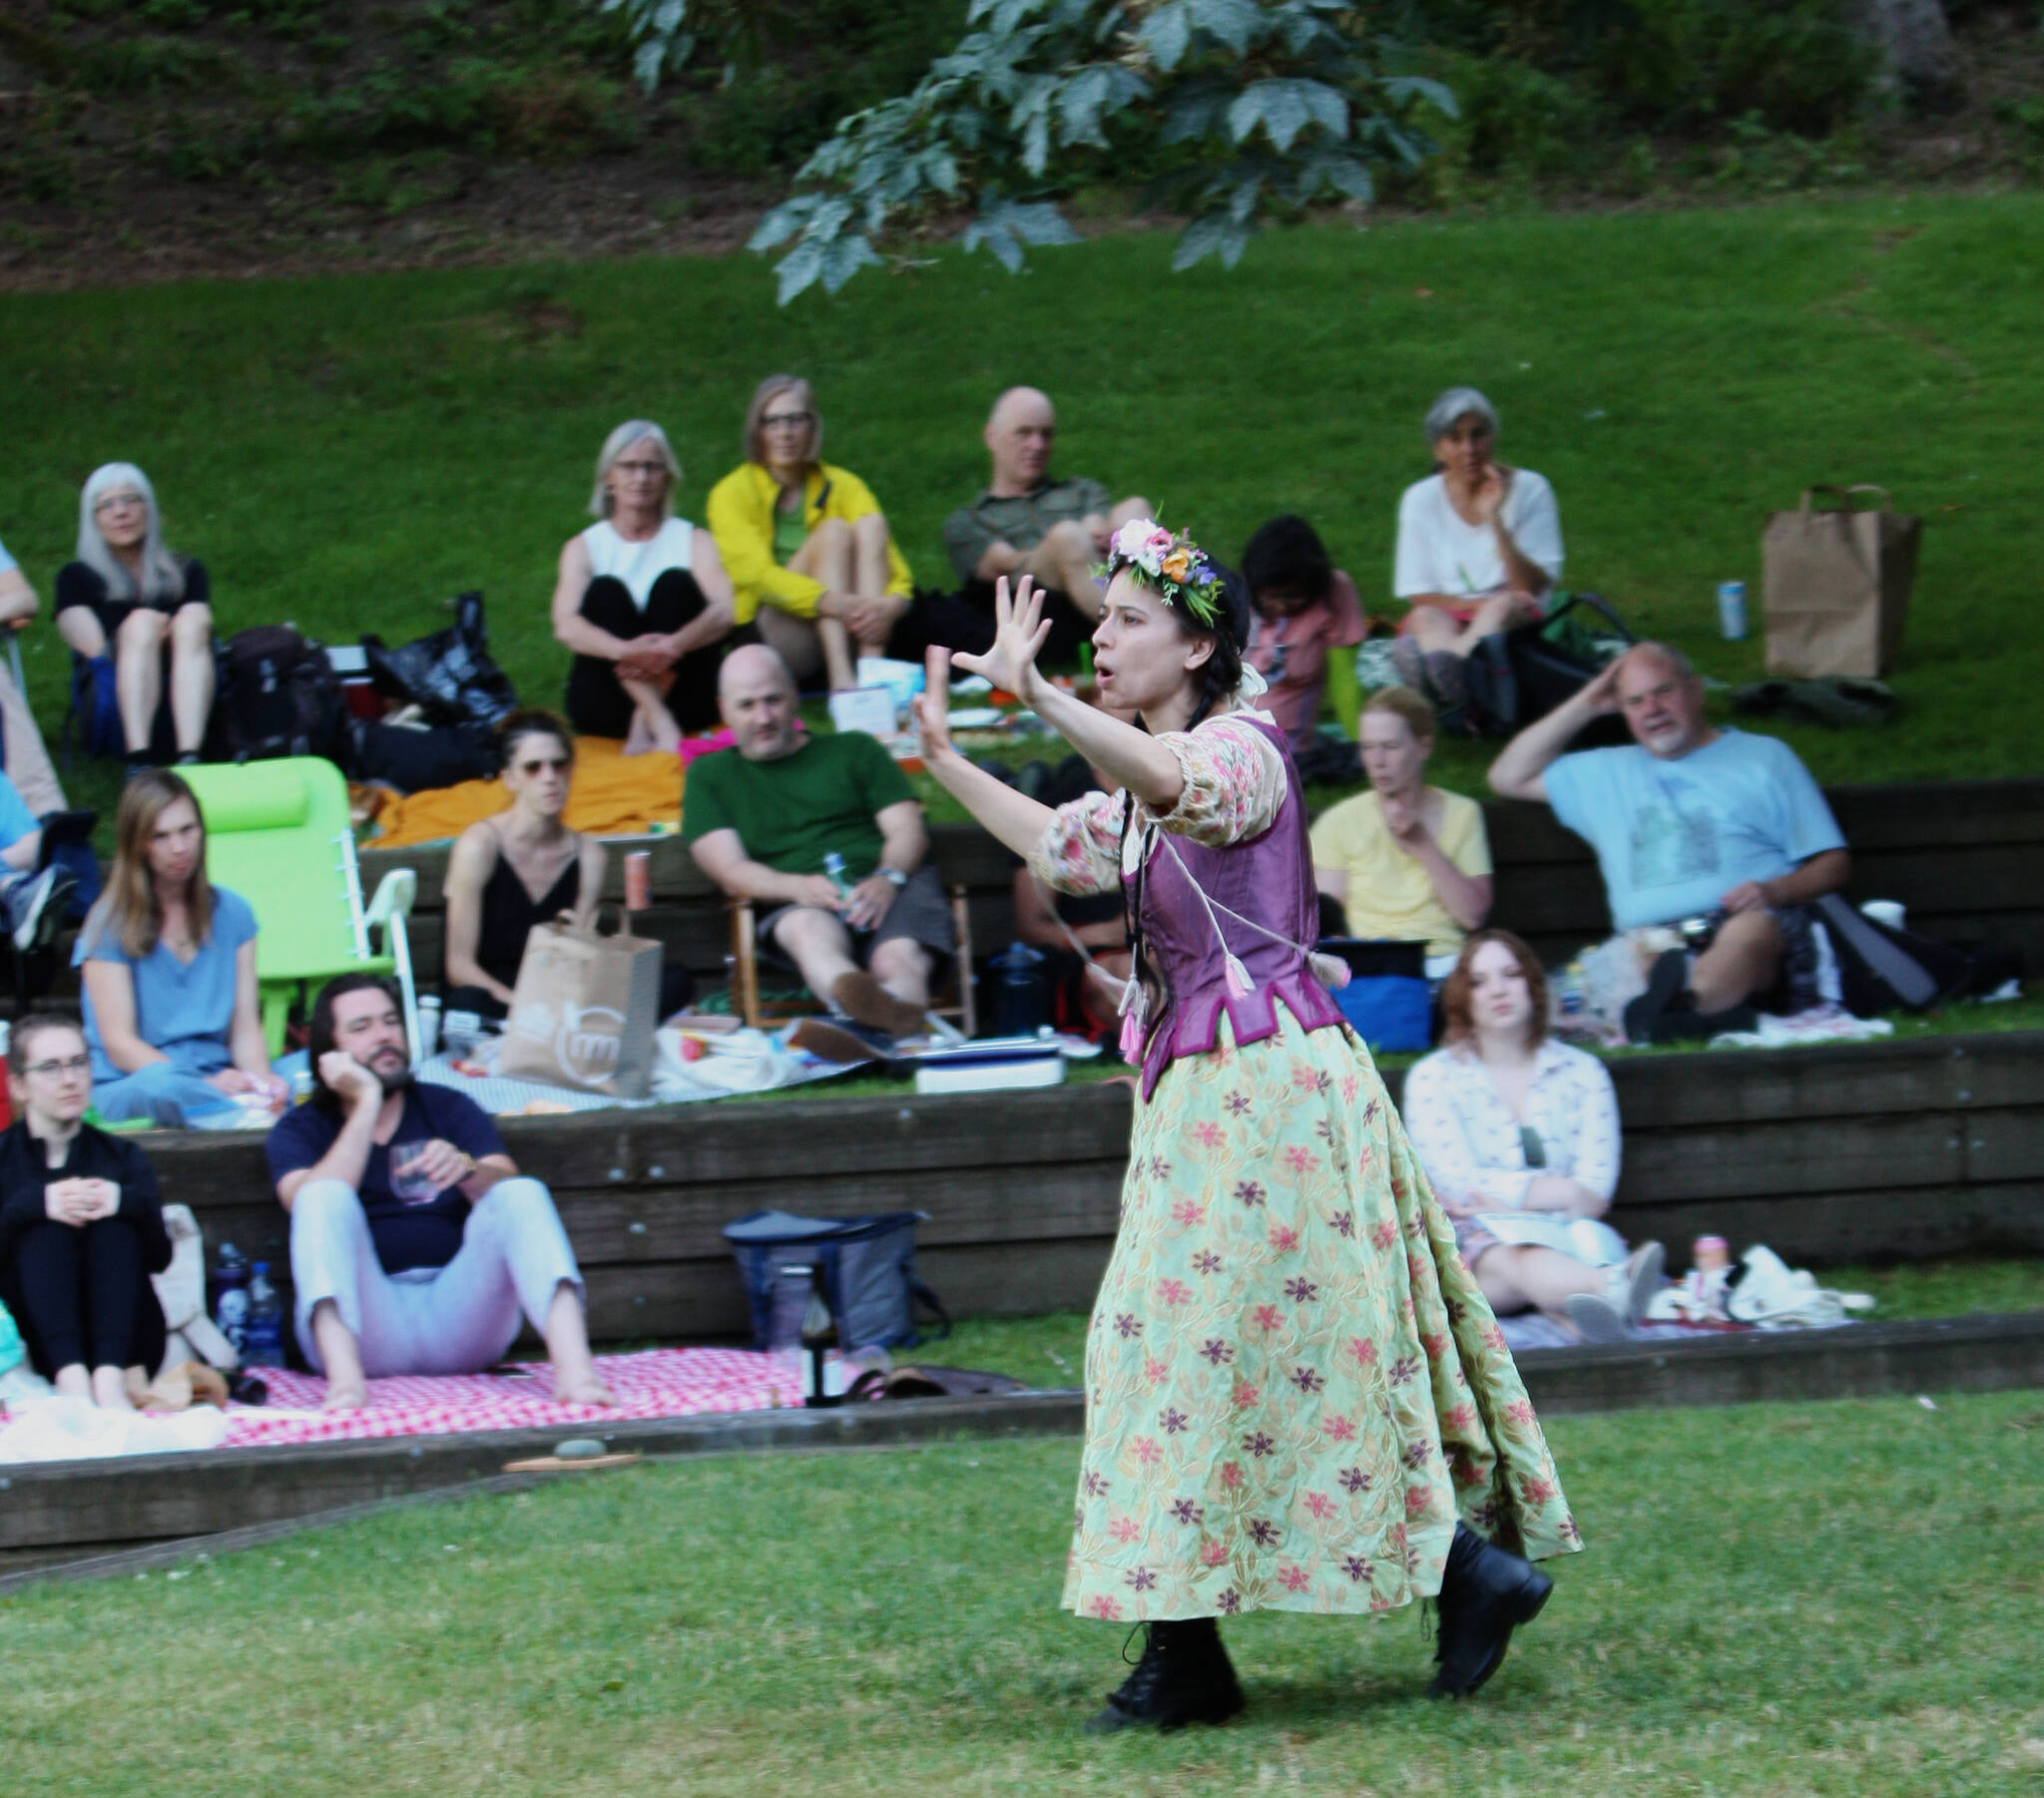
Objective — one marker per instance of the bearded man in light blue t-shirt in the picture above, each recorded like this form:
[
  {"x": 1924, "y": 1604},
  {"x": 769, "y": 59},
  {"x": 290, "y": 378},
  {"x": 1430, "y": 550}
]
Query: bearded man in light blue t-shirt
[{"x": 1718, "y": 833}]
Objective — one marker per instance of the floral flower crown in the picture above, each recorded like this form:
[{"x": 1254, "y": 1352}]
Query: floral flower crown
[{"x": 1175, "y": 569}]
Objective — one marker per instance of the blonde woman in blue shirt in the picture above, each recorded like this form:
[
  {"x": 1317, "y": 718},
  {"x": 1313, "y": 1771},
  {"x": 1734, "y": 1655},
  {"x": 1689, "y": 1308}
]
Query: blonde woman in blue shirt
[{"x": 172, "y": 1016}]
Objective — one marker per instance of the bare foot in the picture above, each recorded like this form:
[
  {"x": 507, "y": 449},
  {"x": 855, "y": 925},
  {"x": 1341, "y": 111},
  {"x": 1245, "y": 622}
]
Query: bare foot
[
  {"x": 110, "y": 1389},
  {"x": 345, "y": 1395},
  {"x": 587, "y": 1391},
  {"x": 74, "y": 1382}
]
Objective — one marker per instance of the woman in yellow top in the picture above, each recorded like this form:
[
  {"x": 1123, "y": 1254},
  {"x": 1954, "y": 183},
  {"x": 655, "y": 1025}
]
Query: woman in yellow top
[
  {"x": 1407, "y": 862},
  {"x": 807, "y": 545}
]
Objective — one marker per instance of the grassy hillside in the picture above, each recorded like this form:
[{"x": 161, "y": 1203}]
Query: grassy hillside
[{"x": 347, "y": 452}]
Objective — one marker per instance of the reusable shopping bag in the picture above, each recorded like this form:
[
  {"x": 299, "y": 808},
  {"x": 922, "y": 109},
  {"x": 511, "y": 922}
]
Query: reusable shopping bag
[
  {"x": 583, "y": 1011},
  {"x": 1835, "y": 584}
]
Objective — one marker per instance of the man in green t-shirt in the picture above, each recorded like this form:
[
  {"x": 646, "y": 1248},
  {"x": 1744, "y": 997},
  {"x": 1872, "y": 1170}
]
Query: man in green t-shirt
[
  {"x": 1025, "y": 523},
  {"x": 763, "y": 820}
]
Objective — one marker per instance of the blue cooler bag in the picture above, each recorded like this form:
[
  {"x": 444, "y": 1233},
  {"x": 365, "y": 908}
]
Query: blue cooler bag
[
  {"x": 866, "y": 1266},
  {"x": 1386, "y": 998}
]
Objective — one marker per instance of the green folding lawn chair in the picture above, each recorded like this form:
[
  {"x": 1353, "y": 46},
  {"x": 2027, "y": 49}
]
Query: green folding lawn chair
[{"x": 277, "y": 834}]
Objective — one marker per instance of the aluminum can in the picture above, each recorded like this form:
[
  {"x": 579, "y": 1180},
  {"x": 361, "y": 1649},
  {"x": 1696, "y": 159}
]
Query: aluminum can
[
  {"x": 1710, "y": 1254},
  {"x": 1731, "y": 610},
  {"x": 637, "y": 880}
]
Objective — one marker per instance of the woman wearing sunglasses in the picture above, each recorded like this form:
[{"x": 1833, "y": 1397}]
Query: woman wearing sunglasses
[
  {"x": 81, "y": 1226},
  {"x": 522, "y": 867}
]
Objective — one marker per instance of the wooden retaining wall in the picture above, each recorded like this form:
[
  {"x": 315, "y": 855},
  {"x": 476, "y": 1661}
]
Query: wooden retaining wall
[
  {"x": 1827, "y": 1155},
  {"x": 96, "y": 1515},
  {"x": 1965, "y": 857}
]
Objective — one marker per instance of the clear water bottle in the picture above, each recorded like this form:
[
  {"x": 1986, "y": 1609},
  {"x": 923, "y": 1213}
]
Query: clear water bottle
[
  {"x": 794, "y": 1282},
  {"x": 231, "y": 1295},
  {"x": 820, "y": 1336},
  {"x": 834, "y": 867},
  {"x": 262, "y": 1334}
]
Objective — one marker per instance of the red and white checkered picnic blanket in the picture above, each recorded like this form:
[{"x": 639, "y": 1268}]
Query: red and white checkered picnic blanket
[{"x": 657, "y": 1383}]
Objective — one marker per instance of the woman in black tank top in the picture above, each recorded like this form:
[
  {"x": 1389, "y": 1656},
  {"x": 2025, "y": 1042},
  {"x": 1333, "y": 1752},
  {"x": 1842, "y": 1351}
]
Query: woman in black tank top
[{"x": 520, "y": 868}]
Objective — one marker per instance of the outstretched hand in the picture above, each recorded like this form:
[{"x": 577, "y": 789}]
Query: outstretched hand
[{"x": 1020, "y": 632}]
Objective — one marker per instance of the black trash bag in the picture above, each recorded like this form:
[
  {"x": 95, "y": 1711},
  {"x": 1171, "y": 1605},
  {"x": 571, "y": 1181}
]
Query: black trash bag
[
  {"x": 415, "y": 760},
  {"x": 450, "y": 675}
]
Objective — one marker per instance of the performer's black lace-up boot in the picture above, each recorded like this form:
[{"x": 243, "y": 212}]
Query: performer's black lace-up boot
[
  {"x": 1485, "y": 1591},
  {"x": 1185, "y": 1676}
]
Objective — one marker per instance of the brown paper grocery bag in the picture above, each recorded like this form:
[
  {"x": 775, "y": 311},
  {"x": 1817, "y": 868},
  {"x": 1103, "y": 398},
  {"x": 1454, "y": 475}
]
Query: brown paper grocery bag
[
  {"x": 1836, "y": 586},
  {"x": 583, "y": 1011}
]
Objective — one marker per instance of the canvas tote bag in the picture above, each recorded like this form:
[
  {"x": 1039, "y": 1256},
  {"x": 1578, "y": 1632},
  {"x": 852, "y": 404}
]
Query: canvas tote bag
[
  {"x": 1835, "y": 584},
  {"x": 583, "y": 1011}
]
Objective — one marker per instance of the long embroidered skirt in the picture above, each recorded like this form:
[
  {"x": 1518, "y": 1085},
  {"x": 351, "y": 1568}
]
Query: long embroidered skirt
[{"x": 1293, "y": 1385}]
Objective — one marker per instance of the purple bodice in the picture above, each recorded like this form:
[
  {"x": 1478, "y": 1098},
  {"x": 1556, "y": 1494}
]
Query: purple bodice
[{"x": 1267, "y": 878}]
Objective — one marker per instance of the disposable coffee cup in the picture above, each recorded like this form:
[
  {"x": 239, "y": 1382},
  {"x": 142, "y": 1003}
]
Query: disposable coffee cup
[{"x": 1886, "y": 911}]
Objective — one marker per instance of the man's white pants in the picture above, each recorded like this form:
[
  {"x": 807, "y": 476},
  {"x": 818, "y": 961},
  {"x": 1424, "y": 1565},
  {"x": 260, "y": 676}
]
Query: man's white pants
[{"x": 457, "y": 1319}]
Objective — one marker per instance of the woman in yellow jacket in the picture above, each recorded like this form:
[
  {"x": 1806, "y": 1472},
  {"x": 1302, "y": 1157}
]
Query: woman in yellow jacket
[{"x": 807, "y": 545}]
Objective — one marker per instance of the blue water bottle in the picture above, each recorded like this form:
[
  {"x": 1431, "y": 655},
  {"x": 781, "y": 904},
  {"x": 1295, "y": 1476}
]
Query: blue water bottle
[
  {"x": 263, "y": 1335},
  {"x": 231, "y": 1295}
]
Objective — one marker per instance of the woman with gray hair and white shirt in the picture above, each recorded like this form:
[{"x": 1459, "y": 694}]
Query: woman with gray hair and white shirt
[
  {"x": 643, "y": 601},
  {"x": 1479, "y": 548},
  {"x": 128, "y": 590}
]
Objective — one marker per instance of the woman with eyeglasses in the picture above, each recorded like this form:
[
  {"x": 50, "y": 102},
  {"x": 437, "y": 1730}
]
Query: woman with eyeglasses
[
  {"x": 812, "y": 564},
  {"x": 166, "y": 959},
  {"x": 522, "y": 867},
  {"x": 643, "y": 601},
  {"x": 128, "y": 590},
  {"x": 81, "y": 1226}
]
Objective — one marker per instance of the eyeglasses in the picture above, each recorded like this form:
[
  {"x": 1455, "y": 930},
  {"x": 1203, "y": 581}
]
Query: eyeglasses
[
  {"x": 788, "y": 421},
  {"x": 650, "y": 470},
  {"x": 118, "y": 502},
  {"x": 78, "y": 1064}
]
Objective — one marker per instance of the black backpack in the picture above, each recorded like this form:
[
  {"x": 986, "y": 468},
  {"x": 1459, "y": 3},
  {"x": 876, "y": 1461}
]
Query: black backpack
[
  {"x": 1882, "y": 969},
  {"x": 1523, "y": 674},
  {"x": 278, "y": 696}
]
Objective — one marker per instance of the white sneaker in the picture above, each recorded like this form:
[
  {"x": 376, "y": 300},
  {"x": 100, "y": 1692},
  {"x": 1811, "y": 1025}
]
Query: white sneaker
[
  {"x": 1613, "y": 1314},
  {"x": 1596, "y": 1318}
]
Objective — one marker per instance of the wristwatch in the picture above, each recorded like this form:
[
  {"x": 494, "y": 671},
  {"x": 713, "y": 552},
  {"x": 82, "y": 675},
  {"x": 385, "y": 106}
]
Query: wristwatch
[{"x": 899, "y": 879}]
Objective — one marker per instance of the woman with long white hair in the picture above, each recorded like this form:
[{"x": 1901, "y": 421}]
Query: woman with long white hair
[
  {"x": 643, "y": 601},
  {"x": 130, "y": 592},
  {"x": 1297, "y": 1398}
]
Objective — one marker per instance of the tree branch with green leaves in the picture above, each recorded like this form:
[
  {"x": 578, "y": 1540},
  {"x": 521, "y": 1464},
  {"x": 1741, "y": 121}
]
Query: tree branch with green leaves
[{"x": 1232, "y": 112}]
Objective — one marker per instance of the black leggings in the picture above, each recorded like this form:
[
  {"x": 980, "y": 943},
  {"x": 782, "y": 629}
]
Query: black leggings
[
  {"x": 82, "y": 1297},
  {"x": 597, "y": 704}
]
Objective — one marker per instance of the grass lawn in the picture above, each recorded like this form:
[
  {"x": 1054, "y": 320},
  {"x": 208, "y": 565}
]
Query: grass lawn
[
  {"x": 1808, "y": 1599},
  {"x": 1051, "y": 1350},
  {"x": 347, "y": 452}
]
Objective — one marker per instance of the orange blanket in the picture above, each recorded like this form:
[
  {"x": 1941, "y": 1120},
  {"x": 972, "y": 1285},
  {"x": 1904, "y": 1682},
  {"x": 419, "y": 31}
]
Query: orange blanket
[{"x": 614, "y": 794}]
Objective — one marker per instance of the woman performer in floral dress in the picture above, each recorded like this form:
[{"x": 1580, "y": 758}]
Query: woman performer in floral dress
[{"x": 1297, "y": 1396}]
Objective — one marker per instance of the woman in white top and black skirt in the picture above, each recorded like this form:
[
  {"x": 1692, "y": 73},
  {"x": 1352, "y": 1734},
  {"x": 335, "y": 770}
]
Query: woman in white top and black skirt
[{"x": 643, "y": 601}]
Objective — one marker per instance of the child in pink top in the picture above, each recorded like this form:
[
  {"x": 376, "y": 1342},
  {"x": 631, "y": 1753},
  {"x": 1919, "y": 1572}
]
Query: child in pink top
[{"x": 1304, "y": 607}]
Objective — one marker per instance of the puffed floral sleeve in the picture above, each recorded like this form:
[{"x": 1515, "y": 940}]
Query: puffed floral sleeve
[
  {"x": 1075, "y": 853},
  {"x": 1234, "y": 782}
]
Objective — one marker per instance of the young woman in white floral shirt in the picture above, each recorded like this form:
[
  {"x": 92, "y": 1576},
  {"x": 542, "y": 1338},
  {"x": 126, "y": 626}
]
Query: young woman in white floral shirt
[{"x": 1511, "y": 1125}]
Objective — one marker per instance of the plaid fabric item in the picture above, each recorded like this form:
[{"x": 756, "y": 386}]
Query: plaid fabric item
[{"x": 658, "y": 1383}]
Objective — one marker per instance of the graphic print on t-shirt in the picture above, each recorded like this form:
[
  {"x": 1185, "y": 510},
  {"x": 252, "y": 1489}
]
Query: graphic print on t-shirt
[{"x": 1669, "y": 843}]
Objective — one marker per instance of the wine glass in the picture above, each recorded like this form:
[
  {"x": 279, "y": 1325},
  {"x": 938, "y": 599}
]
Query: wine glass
[{"x": 409, "y": 1182}]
